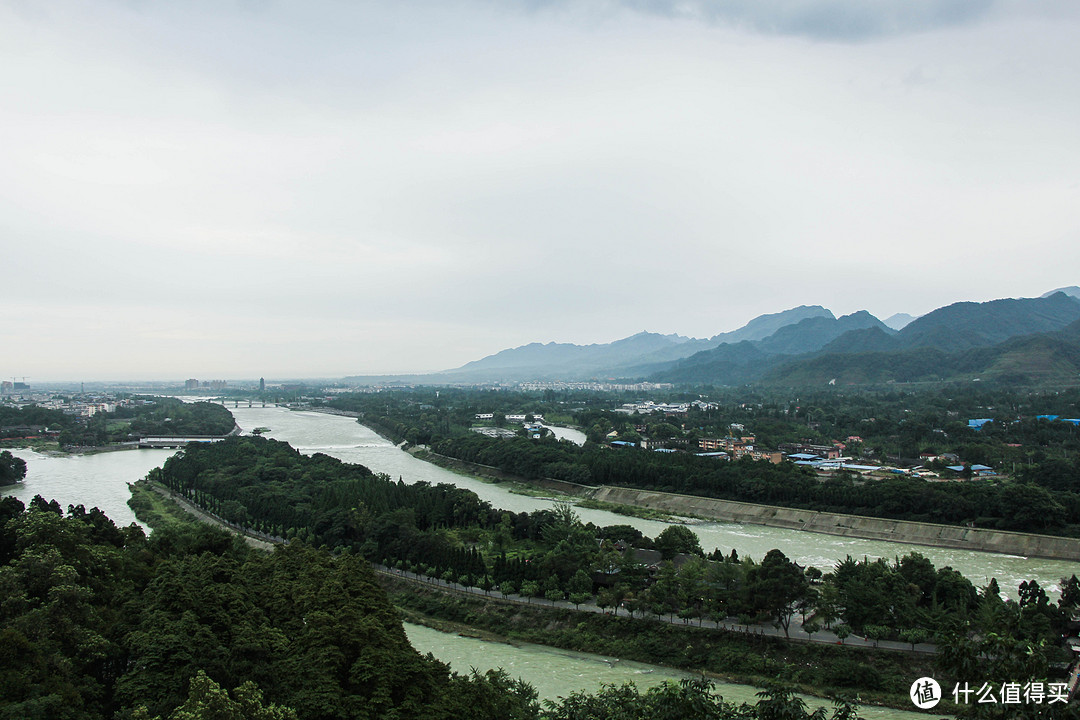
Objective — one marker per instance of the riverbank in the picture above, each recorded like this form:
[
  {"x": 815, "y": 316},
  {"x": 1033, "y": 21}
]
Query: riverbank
[
  {"x": 328, "y": 411},
  {"x": 952, "y": 537},
  {"x": 882, "y": 678},
  {"x": 157, "y": 510},
  {"x": 158, "y": 507},
  {"x": 37, "y": 444},
  {"x": 794, "y": 633},
  {"x": 54, "y": 447},
  {"x": 511, "y": 483}
]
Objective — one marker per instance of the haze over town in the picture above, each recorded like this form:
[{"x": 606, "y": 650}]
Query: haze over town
[{"x": 256, "y": 189}]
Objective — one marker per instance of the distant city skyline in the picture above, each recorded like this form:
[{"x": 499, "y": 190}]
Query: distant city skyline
[{"x": 320, "y": 190}]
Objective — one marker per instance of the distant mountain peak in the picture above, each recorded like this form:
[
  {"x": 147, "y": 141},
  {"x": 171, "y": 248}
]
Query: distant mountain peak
[
  {"x": 1072, "y": 291},
  {"x": 899, "y": 321},
  {"x": 763, "y": 326}
]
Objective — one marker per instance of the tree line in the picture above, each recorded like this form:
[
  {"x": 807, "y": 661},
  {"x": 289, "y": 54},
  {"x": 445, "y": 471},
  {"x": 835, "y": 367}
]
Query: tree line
[
  {"x": 1043, "y": 496},
  {"x": 1042, "y": 500}
]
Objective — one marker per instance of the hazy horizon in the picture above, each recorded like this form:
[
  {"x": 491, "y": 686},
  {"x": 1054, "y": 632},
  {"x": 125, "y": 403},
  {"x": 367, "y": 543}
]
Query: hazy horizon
[{"x": 246, "y": 189}]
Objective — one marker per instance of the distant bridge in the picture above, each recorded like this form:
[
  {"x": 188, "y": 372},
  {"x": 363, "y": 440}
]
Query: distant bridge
[
  {"x": 250, "y": 403},
  {"x": 178, "y": 442}
]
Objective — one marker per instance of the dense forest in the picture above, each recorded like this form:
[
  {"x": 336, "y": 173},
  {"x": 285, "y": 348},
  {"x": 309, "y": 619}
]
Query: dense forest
[
  {"x": 447, "y": 532},
  {"x": 102, "y": 622}
]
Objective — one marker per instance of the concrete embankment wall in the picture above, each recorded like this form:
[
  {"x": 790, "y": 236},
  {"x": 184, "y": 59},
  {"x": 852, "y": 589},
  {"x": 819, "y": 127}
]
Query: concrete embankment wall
[{"x": 945, "y": 536}]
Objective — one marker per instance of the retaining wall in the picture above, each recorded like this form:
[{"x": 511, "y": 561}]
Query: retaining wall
[{"x": 858, "y": 526}]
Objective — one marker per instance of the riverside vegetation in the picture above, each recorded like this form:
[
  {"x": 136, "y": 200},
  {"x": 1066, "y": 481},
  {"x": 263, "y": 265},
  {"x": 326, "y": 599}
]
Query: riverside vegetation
[
  {"x": 447, "y": 532},
  {"x": 12, "y": 469},
  {"x": 103, "y": 622},
  {"x": 1042, "y": 456}
]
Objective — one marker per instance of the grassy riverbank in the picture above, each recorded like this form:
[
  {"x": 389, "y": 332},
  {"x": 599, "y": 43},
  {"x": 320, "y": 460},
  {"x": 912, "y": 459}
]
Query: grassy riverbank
[
  {"x": 156, "y": 510},
  {"x": 633, "y": 511},
  {"x": 876, "y": 677},
  {"x": 41, "y": 445}
]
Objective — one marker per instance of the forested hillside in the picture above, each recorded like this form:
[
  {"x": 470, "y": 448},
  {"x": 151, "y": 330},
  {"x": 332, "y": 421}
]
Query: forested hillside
[
  {"x": 961, "y": 341},
  {"x": 101, "y": 622}
]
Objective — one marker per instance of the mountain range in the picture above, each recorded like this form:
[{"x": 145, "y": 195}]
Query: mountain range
[{"x": 1034, "y": 340}]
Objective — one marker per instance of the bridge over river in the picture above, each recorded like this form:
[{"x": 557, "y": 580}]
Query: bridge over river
[{"x": 177, "y": 442}]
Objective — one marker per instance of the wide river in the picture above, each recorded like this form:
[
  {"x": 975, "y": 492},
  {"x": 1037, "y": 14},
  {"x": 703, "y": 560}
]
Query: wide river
[{"x": 101, "y": 480}]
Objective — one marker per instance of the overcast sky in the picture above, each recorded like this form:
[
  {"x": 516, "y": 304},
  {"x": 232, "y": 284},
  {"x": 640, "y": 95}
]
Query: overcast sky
[{"x": 233, "y": 189}]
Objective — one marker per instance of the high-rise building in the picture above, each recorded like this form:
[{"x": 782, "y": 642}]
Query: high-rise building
[
  {"x": 191, "y": 384},
  {"x": 262, "y": 384}
]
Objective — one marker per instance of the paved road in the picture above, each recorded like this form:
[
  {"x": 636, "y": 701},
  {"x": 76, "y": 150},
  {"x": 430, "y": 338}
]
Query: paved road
[
  {"x": 796, "y": 633},
  {"x": 209, "y": 519}
]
